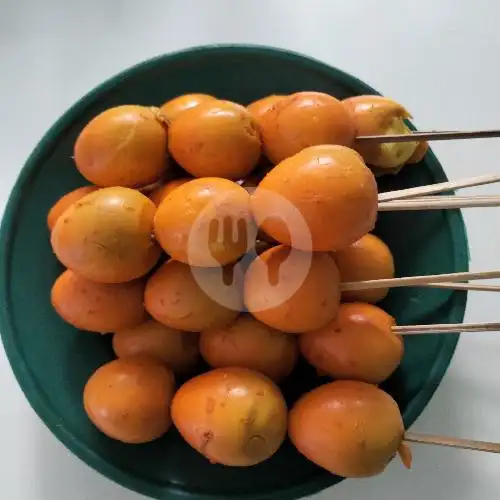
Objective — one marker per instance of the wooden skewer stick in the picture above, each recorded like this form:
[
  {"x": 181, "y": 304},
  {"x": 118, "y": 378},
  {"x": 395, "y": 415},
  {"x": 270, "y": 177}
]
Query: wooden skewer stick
[
  {"x": 417, "y": 280},
  {"x": 430, "y": 136},
  {"x": 451, "y": 442},
  {"x": 442, "y": 197},
  {"x": 441, "y": 187},
  {"x": 463, "y": 286},
  {"x": 448, "y": 203},
  {"x": 446, "y": 328}
]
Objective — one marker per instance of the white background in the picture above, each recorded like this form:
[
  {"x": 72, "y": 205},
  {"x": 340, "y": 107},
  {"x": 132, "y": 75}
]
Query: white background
[{"x": 441, "y": 58}]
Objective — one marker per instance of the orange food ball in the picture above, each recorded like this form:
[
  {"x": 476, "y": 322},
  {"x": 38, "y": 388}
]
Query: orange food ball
[
  {"x": 206, "y": 222},
  {"x": 216, "y": 139},
  {"x": 376, "y": 115},
  {"x": 419, "y": 153},
  {"x": 261, "y": 106},
  {"x": 106, "y": 236},
  {"x": 174, "y": 107},
  {"x": 369, "y": 258},
  {"x": 232, "y": 416},
  {"x": 65, "y": 202},
  {"x": 178, "y": 350},
  {"x": 161, "y": 192},
  {"x": 323, "y": 198},
  {"x": 129, "y": 399},
  {"x": 351, "y": 429},
  {"x": 292, "y": 291},
  {"x": 98, "y": 307},
  {"x": 191, "y": 300},
  {"x": 123, "y": 146},
  {"x": 358, "y": 344},
  {"x": 248, "y": 343},
  {"x": 304, "y": 119}
]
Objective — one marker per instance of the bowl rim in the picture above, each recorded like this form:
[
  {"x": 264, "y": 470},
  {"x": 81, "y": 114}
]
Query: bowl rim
[{"x": 27, "y": 382}]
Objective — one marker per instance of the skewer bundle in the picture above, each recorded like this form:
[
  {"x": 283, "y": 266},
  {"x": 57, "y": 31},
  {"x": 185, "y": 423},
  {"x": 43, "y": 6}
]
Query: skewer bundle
[{"x": 311, "y": 288}]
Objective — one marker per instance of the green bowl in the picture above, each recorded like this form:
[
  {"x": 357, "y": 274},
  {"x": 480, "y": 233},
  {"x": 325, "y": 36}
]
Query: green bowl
[{"x": 52, "y": 361}]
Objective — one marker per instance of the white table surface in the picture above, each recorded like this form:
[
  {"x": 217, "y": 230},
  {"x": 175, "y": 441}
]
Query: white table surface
[{"x": 439, "y": 58}]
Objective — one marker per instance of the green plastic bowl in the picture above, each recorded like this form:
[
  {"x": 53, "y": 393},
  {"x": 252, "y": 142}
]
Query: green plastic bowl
[{"x": 52, "y": 361}]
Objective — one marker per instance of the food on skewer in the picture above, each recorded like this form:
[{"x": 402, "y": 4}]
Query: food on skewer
[
  {"x": 162, "y": 191},
  {"x": 323, "y": 198},
  {"x": 261, "y": 106},
  {"x": 291, "y": 290},
  {"x": 351, "y": 429},
  {"x": 305, "y": 119},
  {"x": 179, "y": 299},
  {"x": 129, "y": 399},
  {"x": 106, "y": 236},
  {"x": 369, "y": 258},
  {"x": 216, "y": 139},
  {"x": 320, "y": 196},
  {"x": 123, "y": 146},
  {"x": 178, "y": 350},
  {"x": 419, "y": 153},
  {"x": 206, "y": 222},
  {"x": 359, "y": 344},
  {"x": 248, "y": 343},
  {"x": 174, "y": 107},
  {"x": 98, "y": 307},
  {"x": 376, "y": 115},
  {"x": 65, "y": 202},
  {"x": 232, "y": 416}
]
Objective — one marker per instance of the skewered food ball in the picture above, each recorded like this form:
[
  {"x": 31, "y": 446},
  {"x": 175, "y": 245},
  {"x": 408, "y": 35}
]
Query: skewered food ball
[
  {"x": 129, "y": 399},
  {"x": 216, "y": 139},
  {"x": 292, "y": 291},
  {"x": 173, "y": 108},
  {"x": 376, "y": 115},
  {"x": 419, "y": 153},
  {"x": 369, "y": 258},
  {"x": 65, "y": 202},
  {"x": 206, "y": 222},
  {"x": 248, "y": 343},
  {"x": 358, "y": 344},
  {"x": 106, "y": 236},
  {"x": 191, "y": 301},
  {"x": 232, "y": 416},
  {"x": 261, "y": 106},
  {"x": 161, "y": 192},
  {"x": 351, "y": 429},
  {"x": 304, "y": 119},
  {"x": 328, "y": 189},
  {"x": 98, "y": 307},
  {"x": 123, "y": 146},
  {"x": 178, "y": 350}
]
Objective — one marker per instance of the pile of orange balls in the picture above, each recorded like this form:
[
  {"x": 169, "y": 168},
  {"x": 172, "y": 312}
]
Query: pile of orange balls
[{"x": 219, "y": 230}]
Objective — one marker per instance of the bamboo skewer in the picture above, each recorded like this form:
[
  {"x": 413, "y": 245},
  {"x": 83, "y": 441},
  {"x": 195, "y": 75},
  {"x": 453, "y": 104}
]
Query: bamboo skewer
[
  {"x": 463, "y": 286},
  {"x": 417, "y": 280},
  {"x": 446, "y": 328},
  {"x": 452, "y": 442},
  {"x": 441, "y": 187},
  {"x": 443, "y": 197},
  {"x": 432, "y": 135},
  {"x": 449, "y": 202}
]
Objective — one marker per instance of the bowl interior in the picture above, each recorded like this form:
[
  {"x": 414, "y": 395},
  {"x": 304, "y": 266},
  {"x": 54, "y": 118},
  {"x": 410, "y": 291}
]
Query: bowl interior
[{"x": 52, "y": 361}]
